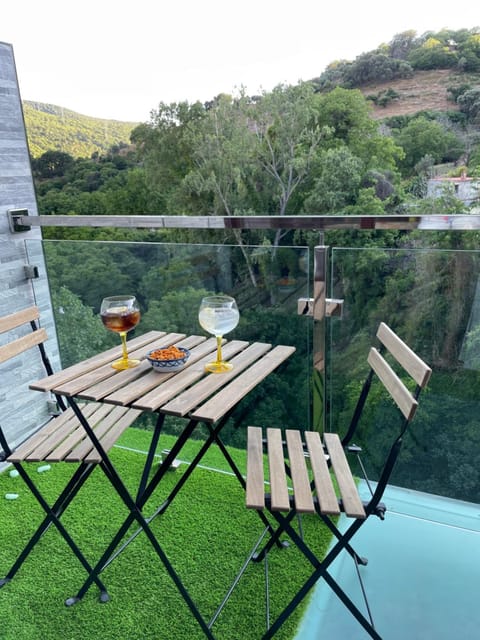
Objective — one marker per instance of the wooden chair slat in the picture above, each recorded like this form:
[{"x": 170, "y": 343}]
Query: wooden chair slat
[
  {"x": 325, "y": 490},
  {"x": 409, "y": 360},
  {"x": 19, "y": 345},
  {"x": 78, "y": 436},
  {"x": 278, "y": 477},
  {"x": 398, "y": 391},
  {"x": 255, "y": 496},
  {"x": 14, "y": 320},
  {"x": 113, "y": 434},
  {"x": 26, "y": 448},
  {"x": 62, "y": 440},
  {"x": 63, "y": 446},
  {"x": 300, "y": 479},
  {"x": 352, "y": 503}
]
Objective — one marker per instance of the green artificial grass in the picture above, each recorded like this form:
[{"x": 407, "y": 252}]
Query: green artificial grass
[{"x": 207, "y": 533}]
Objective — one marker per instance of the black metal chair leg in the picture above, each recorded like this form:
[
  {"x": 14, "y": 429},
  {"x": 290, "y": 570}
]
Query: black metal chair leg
[
  {"x": 320, "y": 571},
  {"x": 53, "y": 515}
]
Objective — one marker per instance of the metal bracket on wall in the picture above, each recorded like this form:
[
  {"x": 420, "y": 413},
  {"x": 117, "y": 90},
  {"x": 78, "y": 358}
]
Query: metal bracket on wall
[
  {"x": 53, "y": 408},
  {"x": 333, "y": 307},
  {"x": 14, "y": 217},
  {"x": 31, "y": 271}
]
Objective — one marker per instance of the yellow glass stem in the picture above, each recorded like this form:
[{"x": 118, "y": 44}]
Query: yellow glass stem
[
  {"x": 123, "y": 336},
  {"x": 219, "y": 349}
]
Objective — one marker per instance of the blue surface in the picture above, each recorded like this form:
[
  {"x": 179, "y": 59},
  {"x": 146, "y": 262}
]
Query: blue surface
[{"x": 422, "y": 579}]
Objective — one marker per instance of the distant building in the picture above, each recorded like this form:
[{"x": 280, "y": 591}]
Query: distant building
[{"x": 466, "y": 189}]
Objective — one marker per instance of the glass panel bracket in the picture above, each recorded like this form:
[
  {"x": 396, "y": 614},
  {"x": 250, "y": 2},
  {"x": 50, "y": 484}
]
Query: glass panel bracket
[{"x": 333, "y": 307}]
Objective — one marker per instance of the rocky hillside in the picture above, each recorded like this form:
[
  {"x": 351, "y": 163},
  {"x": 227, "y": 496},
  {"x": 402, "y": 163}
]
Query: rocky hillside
[
  {"x": 53, "y": 128},
  {"x": 425, "y": 91}
]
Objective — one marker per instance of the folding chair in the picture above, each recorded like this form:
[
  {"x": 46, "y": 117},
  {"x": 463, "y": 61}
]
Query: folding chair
[
  {"x": 321, "y": 477},
  {"x": 61, "y": 439}
]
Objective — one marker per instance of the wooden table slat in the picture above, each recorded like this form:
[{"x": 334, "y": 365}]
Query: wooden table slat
[
  {"x": 352, "y": 504},
  {"x": 230, "y": 395},
  {"x": 210, "y": 383},
  {"x": 106, "y": 372},
  {"x": 50, "y": 382},
  {"x": 190, "y": 375},
  {"x": 130, "y": 393},
  {"x": 121, "y": 379},
  {"x": 299, "y": 471}
]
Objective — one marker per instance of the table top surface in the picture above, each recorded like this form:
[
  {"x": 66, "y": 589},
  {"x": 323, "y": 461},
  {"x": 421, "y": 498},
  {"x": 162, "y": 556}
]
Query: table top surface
[{"x": 190, "y": 391}]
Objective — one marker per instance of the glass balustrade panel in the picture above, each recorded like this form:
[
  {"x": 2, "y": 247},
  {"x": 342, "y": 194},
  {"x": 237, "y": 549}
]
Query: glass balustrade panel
[
  {"x": 169, "y": 281},
  {"x": 431, "y": 298}
]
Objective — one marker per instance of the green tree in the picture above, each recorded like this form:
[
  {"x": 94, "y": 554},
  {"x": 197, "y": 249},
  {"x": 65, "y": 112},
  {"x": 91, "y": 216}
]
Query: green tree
[
  {"x": 348, "y": 114},
  {"x": 433, "y": 54},
  {"x": 176, "y": 275},
  {"x": 80, "y": 332},
  {"x": 421, "y": 137},
  {"x": 337, "y": 183},
  {"x": 176, "y": 310},
  {"x": 376, "y": 67},
  {"x": 469, "y": 103},
  {"x": 288, "y": 136},
  {"x": 222, "y": 153},
  {"x": 52, "y": 164},
  {"x": 164, "y": 148},
  {"x": 92, "y": 271},
  {"x": 402, "y": 43}
]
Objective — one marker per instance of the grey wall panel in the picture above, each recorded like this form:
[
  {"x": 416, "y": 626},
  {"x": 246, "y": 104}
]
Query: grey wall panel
[{"x": 20, "y": 409}]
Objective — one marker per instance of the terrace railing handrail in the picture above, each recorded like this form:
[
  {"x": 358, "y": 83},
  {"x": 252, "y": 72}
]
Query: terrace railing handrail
[{"x": 21, "y": 221}]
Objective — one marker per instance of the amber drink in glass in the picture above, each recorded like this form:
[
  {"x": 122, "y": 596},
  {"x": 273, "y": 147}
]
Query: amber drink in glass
[{"x": 121, "y": 314}]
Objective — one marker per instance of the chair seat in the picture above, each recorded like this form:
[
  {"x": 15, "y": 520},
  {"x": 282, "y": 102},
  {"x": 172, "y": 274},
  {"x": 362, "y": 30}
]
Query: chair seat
[
  {"x": 279, "y": 497},
  {"x": 64, "y": 439}
]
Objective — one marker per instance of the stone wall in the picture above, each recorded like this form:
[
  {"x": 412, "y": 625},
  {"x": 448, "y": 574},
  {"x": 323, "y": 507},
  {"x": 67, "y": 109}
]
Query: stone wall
[{"x": 20, "y": 408}]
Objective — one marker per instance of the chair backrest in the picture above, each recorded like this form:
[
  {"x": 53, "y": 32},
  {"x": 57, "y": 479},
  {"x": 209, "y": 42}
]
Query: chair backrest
[
  {"x": 35, "y": 336},
  {"x": 412, "y": 365},
  {"x": 404, "y": 397}
]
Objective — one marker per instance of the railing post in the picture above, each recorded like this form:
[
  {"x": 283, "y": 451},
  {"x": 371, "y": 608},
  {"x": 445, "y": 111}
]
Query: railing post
[{"x": 320, "y": 270}]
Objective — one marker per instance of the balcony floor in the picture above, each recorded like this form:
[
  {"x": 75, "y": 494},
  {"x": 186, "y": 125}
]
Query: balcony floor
[{"x": 421, "y": 579}]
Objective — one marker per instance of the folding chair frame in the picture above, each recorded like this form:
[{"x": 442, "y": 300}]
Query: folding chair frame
[
  {"x": 407, "y": 403},
  {"x": 80, "y": 475}
]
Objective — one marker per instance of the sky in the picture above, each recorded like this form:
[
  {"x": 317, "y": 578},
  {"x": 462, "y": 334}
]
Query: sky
[{"x": 118, "y": 60}]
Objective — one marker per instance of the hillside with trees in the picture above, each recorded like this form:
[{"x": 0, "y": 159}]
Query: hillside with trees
[{"x": 52, "y": 128}]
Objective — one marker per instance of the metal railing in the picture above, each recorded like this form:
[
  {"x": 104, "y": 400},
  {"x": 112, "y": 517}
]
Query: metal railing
[{"x": 21, "y": 221}]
